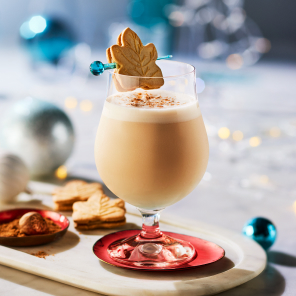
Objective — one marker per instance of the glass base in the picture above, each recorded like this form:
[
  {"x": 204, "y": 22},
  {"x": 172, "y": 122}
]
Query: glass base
[{"x": 162, "y": 251}]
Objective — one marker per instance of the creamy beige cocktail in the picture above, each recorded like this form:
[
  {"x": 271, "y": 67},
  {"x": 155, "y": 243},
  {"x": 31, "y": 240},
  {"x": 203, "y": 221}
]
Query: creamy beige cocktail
[{"x": 151, "y": 147}]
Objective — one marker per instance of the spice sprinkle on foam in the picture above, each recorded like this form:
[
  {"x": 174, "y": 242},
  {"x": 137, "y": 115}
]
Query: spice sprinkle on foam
[{"x": 146, "y": 100}]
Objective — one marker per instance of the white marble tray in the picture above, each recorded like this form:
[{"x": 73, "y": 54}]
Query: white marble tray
[{"x": 72, "y": 261}]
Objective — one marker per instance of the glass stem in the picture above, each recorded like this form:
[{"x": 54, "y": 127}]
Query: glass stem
[{"x": 150, "y": 223}]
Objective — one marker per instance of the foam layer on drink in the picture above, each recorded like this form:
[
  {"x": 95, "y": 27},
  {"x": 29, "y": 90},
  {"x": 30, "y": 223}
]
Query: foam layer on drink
[{"x": 158, "y": 106}]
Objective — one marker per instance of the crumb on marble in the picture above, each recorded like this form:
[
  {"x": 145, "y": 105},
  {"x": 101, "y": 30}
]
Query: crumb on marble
[{"x": 40, "y": 254}]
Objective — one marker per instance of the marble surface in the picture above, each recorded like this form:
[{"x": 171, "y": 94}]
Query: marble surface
[
  {"x": 72, "y": 262},
  {"x": 235, "y": 188}
]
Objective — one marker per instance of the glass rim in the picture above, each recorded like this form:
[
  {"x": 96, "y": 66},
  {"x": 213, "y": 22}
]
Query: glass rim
[{"x": 111, "y": 71}]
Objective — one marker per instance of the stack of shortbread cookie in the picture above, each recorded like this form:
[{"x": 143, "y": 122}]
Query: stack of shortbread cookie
[
  {"x": 92, "y": 209},
  {"x": 76, "y": 190}
]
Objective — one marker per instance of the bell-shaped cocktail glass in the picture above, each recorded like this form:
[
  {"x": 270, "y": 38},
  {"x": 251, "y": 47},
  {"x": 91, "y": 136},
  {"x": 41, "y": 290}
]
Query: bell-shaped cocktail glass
[{"x": 151, "y": 151}]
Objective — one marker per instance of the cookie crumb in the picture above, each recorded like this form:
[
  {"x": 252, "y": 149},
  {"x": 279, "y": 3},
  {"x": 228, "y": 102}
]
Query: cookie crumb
[{"x": 40, "y": 254}]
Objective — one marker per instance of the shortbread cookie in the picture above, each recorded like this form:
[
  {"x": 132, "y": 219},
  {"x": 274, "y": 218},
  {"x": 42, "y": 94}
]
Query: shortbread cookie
[
  {"x": 62, "y": 207},
  {"x": 99, "y": 212},
  {"x": 70, "y": 184},
  {"x": 75, "y": 190},
  {"x": 134, "y": 59},
  {"x": 99, "y": 224}
]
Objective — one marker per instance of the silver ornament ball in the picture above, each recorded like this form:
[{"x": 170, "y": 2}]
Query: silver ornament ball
[
  {"x": 14, "y": 176},
  {"x": 40, "y": 133}
]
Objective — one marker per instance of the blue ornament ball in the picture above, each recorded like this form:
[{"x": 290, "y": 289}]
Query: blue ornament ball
[
  {"x": 47, "y": 39},
  {"x": 262, "y": 231},
  {"x": 40, "y": 133}
]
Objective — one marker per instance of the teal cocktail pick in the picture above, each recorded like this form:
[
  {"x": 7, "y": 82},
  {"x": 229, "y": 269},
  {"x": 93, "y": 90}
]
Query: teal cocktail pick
[{"x": 98, "y": 68}]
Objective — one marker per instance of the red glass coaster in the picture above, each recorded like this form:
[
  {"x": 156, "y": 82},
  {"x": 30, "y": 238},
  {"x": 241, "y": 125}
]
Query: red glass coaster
[
  {"x": 33, "y": 240},
  {"x": 207, "y": 252}
]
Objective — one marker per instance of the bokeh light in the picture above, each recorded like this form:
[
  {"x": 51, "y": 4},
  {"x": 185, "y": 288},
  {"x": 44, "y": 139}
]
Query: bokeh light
[
  {"x": 236, "y": 19},
  {"x": 61, "y": 172},
  {"x": 234, "y": 61},
  {"x": 294, "y": 206},
  {"x": 205, "y": 15},
  {"x": 262, "y": 45},
  {"x": 250, "y": 57},
  {"x": 70, "y": 102},
  {"x": 224, "y": 133},
  {"x": 255, "y": 141},
  {"x": 275, "y": 132},
  {"x": 249, "y": 230},
  {"x": 264, "y": 179},
  {"x": 200, "y": 85},
  {"x": 26, "y": 32},
  {"x": 237, "y": 135},
  {"x": 176, "y": 18},
  {"x": 210, "y": 50},
  {"x": 86, "y": 105},
  {"x": 37, "y": 24}
]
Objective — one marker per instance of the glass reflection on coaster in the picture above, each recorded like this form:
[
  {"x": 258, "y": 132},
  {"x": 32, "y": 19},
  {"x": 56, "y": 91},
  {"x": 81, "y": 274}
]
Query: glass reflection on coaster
[
  {"x": 160, "y": 252},
  {"x": 205, "y": 252}
]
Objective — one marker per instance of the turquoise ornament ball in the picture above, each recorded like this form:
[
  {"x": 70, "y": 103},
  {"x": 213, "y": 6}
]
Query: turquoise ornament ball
[
  {"x": 47, "y": 39},
  {"x": 262, "y": 231},
  {"x": 96, "y": 68}
]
